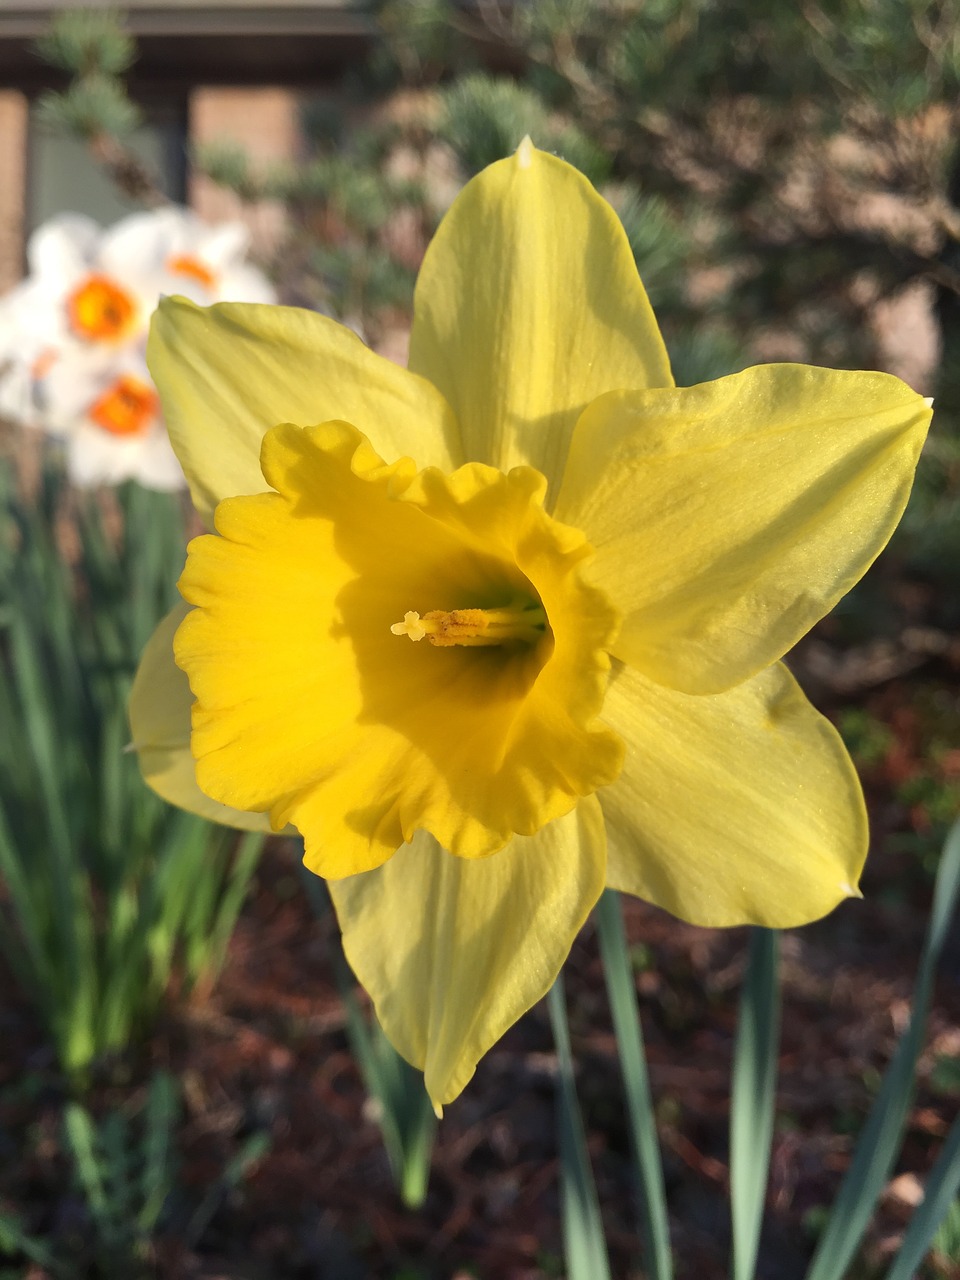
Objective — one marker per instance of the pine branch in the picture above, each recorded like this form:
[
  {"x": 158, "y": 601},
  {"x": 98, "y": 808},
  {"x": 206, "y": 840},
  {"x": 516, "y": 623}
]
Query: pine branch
[{"x": 95, "y": 108}]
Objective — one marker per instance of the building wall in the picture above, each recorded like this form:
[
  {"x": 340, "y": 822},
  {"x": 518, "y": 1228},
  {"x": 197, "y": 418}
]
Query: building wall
[
  {"x": 264, "y": 122},
  {"x": 13, "y": 172}
]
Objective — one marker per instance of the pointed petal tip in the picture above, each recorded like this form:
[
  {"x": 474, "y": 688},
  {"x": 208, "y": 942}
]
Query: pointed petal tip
[
  {"x": 850, "y": 891},
  {"x": 168, "y": 304},
  {"x": 437, "y": 1108},
  {"x": 525, "y": 152},
  {"x": 167, "y": 300},
  {"x": 928, "y": 401},
  {"x": 470, "y": 945}
]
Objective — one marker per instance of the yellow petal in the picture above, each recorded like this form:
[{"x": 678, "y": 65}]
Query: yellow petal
[
  {"x": 453, "y": 952},
  {"x": 159, "y": 709},
  {"x": 729, "y": 517},
  {"x": 528, "y": 306},
  {"x": 228, "y": 373},
  {"x": 310, "y": 704},
  {"x": 737, "y": 808}
]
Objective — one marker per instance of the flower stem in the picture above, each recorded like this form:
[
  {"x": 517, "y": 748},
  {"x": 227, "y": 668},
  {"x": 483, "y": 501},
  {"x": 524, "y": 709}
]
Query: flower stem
[
  {"x": 621, "y": 993},
  {"x": 583, "y": 1240},
  {"x": 754, "y": 1089}
]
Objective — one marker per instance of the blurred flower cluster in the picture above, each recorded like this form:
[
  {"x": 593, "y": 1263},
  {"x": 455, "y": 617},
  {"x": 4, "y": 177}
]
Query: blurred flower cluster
[{"x": 73, "y": 333}]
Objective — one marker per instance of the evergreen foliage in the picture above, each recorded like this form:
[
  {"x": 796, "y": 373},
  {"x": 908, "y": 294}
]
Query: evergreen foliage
[
  {"x": 768, "y": 128},
  {"x": 785, "y": 169},
  {"x": 484, "y": 118},
  {"x": 341, "y": 253},
  {"x": 88, "y": 42},
  {"x": 93, "y": 48},
  {"x": 93, "y": 105}
]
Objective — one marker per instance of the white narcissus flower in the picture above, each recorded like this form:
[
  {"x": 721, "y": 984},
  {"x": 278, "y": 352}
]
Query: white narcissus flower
[
  {"x": 108, "y": 413},
  {"x": 23, "y": 344},
  {"x": 72, "y": 334}
]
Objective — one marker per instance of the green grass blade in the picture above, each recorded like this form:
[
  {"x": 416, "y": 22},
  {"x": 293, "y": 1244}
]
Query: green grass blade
[
  {"x": 420, "y": 1130},
  {"x": 645, "y": 1145},
  {"x": 947, "y": 1239},
  {"x": 942, "y": 1187},
  {"x": 232, "y": 896},
  {"x": 167, "y": 892},
  {"x": 407, "y": 1123},
  {"x": 160, "y": 1118},
  {"x": 583, "y": 1240},
  {"x": 253, "y": 1149},
  {"x": 753, "y": 1097},
  {"x": 104, "y": 891},
  {"x": 25, "y": 948},
  {"x": 882, "y": 1136},
  {"x": 14, "y": 1239},
  {"x": 116, "y": 1160},
  {"x": 84, "y": 1147},
  {"x": 406, "y": 1118},
  {"x": 414, "y": 1117},
  {"x": 41, "y": 733}
]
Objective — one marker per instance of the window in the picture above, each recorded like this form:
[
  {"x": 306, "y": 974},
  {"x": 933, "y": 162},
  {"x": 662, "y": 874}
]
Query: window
[{"x": 63, "y": 177}]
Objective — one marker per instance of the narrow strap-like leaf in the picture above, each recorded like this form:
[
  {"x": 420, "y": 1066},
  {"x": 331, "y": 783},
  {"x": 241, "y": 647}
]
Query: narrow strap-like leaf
[
  {"x": 942, "y": 1187},
  {"x": 406, "y": 1118},
  {"x": 584, "y": 1244},
  {"x": 83, "y": 1140},
  {"x": 407, "y": 1121},
  {"x": 14, "y": 1239},
  {"x": 753, "y": 1097},
  {"x": 644, "y": 1142},
  {"x": 251, "y": 1150},
  {"x": 160, "y": 1117},
  {"x": 880, "y": 1141}
]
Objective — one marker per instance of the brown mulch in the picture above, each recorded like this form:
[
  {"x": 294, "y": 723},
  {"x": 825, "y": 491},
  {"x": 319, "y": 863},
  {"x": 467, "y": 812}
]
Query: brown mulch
[{"x": 267, "y": 1052}]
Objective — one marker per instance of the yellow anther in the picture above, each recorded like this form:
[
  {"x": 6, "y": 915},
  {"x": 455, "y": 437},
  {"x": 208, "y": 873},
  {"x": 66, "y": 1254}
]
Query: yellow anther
[{"x": 522, "y": 623}]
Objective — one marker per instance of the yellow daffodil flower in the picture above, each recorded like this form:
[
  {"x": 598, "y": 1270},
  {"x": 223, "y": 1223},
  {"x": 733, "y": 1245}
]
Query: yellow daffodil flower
[{"x": 504, "y": 628}]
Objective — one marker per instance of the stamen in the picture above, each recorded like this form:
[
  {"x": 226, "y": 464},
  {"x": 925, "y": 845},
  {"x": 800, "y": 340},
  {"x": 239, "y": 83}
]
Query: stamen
[{"x": 522, "y": 623}]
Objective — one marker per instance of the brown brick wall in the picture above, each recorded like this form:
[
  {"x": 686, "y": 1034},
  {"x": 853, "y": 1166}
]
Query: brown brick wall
[
  {"x": 264, "y": 123},
  {"x": 13, "y": 152}
]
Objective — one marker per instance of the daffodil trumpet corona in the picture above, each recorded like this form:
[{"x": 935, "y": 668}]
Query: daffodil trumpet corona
[{"x": 607, "y": 571}]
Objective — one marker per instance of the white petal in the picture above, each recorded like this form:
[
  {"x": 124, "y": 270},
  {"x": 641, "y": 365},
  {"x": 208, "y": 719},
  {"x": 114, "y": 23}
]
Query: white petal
[
  {"x": 63, "y": 248},
  {"x": 158, "y": 467},
  {"x": 74, "y": 382},
  {"x": 224, "y": 246},
  {"x": 96, "y": 457},
  {"x": 139, "y": 245},
  {"x": 243, "y": 283}
]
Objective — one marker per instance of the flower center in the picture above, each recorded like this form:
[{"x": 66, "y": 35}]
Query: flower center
[
  {"x": 523, "y": 622},
  {"x": 100, "y": 309},
  {"x": 126, "y": 408},
  {"x": 184, "y": 264}
]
